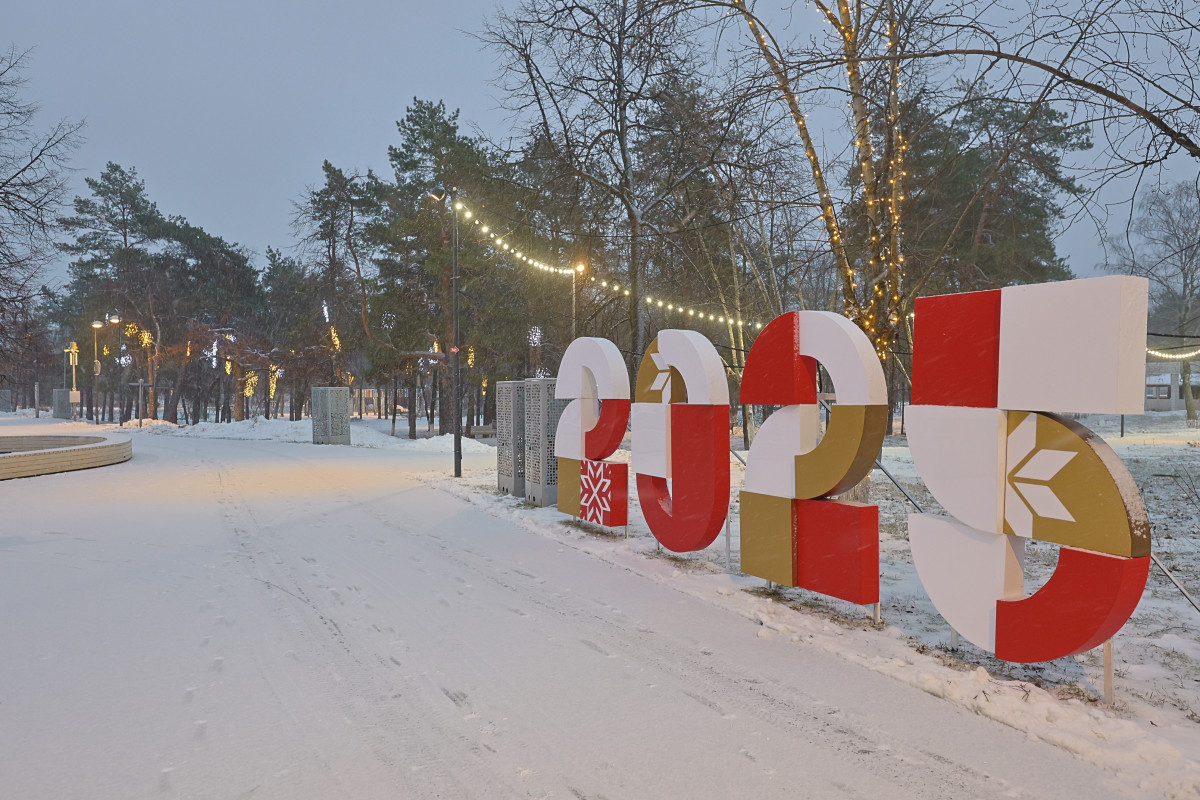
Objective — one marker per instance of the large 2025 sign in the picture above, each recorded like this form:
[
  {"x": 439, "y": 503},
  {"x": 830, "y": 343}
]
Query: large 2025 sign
[{"x": 989, "y": 371}]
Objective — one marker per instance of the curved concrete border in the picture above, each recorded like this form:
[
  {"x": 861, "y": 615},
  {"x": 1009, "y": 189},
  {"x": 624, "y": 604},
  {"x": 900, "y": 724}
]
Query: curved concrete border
[{"x": 23, "y": 456}]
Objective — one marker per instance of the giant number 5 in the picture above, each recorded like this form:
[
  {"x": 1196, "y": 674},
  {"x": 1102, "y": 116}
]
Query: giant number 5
[{"x": 1009, "y": 476}]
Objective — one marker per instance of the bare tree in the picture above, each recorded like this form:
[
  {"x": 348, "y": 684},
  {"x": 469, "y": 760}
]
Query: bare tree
[
  {"x": 584, "y": 77},
  {"x": 1120, "y": 71},
  {"x": 33, "y": 185},
  {"x": 1163, "y": 245}
]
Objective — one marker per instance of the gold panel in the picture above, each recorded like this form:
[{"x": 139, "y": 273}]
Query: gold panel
[
  {"x": 568, "y": 486},
  {"x": 768, "y": 531},
  {"x": 648, "y": 375},
  {"x": 845, "y": 455},
  {"x": 1072, "y": 472}
]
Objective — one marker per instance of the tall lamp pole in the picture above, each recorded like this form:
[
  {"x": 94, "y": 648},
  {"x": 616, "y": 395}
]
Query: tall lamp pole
[
  {"x": 115, "y": 319},
  {"x": 439, "y": 194},
  {"x": 577, "y": 271},
  {"x": 96, "y": 326}
]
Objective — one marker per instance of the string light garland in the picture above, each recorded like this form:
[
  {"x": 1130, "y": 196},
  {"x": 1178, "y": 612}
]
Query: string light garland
[
  {"x": 502, "y": 247},
  {"x": 1173, "y": 356},
  {"x": 680, "y": 311}
]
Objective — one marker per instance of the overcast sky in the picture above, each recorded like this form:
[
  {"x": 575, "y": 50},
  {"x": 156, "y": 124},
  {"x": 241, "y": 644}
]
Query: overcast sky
[{"x": 227, "y": 109}]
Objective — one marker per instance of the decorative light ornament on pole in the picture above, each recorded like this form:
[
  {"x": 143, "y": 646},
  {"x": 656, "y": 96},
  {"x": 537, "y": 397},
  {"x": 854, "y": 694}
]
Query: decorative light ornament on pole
[{"x": 439, "y": 194}]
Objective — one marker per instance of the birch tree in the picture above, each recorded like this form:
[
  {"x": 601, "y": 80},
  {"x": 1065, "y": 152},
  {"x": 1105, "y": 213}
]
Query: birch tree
[
  {"x": 582, "y": 78},
  {"x": 1121, "y": 70}
]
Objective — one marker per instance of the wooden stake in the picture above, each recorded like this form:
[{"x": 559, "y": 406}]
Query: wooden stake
[
  {"x": 1108, "y": 673},
  {"x": 728, "y": 564}
]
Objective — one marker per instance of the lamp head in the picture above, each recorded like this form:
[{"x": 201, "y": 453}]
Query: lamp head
[
  {"x": 438, "y": 193},
  {"x": 579, "y": 268},
  {"x": 97, "y": 323},
  {"x": 114, "y": 319}
]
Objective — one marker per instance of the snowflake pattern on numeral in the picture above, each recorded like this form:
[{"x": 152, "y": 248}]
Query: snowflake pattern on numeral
[{"x": 603, "y": 492}]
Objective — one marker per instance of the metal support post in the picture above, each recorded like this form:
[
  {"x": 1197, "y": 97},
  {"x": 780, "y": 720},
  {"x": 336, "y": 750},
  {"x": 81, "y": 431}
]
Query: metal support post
[{"x": 456, "y": 355}]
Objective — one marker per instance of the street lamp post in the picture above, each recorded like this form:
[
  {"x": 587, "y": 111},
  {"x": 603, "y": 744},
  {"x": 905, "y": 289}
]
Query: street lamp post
[
  {"x": 96, "y": 326},
  {"x": 73, "y": 356},
  {"x": 439, "y": 194},
  {"x": 115, "y": 319}
]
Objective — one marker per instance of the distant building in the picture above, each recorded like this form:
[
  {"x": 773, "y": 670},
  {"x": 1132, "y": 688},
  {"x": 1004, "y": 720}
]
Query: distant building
[{"x": 1164, "y": 385}]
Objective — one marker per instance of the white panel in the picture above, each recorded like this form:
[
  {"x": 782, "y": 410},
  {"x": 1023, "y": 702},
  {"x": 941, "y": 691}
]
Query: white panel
[
  {"x": 1074, "y": 346},
  {"x": 771, "y": 466},
  {"x": 592, "y": 367},
  {"x": 960, "y": 453},
  {"x": 965, "y": 572},
  {"x": 651, "y": 439},
  {"x": 694, "y": 356},
  {"x": 846, "y": 352},
  {"x": 1131, "y": 381},
  {"x": 568, "y": 436}
]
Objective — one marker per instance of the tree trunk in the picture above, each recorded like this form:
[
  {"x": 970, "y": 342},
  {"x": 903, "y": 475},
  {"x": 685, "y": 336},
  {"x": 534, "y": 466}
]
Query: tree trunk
[
  {"x": 171, "y": 406},
  {"x": 226, "y": 414},
  {"x": 859, "y": 493},
  {"x": 1185, "y": 387},
  {"x": 412, "y": 406},
  {"x": 395, "y": 402}
]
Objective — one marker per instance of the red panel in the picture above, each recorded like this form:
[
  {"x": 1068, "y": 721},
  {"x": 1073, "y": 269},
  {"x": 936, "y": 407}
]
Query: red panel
[
  {"x": 1087, "y": 600},
  {"x": 604, "y": 493},
  {"x": 687, "y": 514},
  {"x": 956, "y": 349},
  {"x": 837, "y": 550},
  {"x": 776, "y": 374},
  {"x": 604, "y": 439}
]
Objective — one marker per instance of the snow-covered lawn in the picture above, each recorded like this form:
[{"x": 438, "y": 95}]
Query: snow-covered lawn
[{"x": 201, "y": 515}]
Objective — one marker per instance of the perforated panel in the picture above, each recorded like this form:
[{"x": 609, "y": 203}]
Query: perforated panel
[
  {"x": 504, "y": 432},
  {"x": 535, "y": 403},
  {"x": 542, "y": 411},
  {"x": 510, "y": 436},
  {"x": 554, "y": 411},
  {"x": 331, "y": 414}
]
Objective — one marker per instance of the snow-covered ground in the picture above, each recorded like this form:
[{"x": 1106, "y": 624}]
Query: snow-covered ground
[{"x": 267, "y": 618}]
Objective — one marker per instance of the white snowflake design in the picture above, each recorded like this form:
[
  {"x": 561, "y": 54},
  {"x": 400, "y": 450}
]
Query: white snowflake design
[{"x": 595, "y": 492}]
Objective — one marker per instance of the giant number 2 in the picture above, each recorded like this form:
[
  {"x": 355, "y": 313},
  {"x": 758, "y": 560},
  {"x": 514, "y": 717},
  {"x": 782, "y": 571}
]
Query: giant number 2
[{"x": 792, "y": 532}]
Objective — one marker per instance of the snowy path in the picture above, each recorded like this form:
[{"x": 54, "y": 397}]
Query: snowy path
[{"x": 227, "y": 619}]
